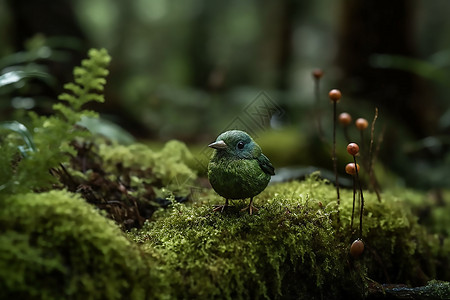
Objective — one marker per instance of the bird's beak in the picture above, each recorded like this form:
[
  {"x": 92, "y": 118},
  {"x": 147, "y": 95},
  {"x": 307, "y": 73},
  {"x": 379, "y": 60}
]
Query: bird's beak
[{"x": 218, "y": 145}]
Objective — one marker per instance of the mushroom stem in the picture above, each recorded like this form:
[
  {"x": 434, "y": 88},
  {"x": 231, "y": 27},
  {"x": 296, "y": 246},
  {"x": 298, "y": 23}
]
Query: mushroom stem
[
  {"x": 354, "y": 198},
  {"x": 334, "y": 153},
  {"x": 362, "y": 199},
  {"x": 317, "y": 106}
]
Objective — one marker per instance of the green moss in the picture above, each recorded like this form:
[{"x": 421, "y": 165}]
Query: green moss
[
  {"x": 291, "y": 140},
  {"x": 434, "y": 211},
  {"x": 293, "y": 248},
  {"x": 55, "y": 246},
  {"x": 263, "y": 256},
  {"x": 170, "y": 168},
  {"x": 434, "y": 289}
]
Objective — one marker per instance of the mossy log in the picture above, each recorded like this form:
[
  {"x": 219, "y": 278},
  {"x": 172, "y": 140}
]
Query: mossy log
[
  {"x": 54, "y": 245},
  {"x": 294, "y": 248}
]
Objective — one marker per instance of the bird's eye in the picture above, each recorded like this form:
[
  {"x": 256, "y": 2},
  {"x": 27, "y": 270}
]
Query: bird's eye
[{"x": 240, "y": 145}]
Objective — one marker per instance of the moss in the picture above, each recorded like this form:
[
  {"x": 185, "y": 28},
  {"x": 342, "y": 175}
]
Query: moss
[
  {"x": 293, "y": 143},
  {"x": 434, "y": 211},
  {"x": 55, "y": 246},
  {"x": 271, "y": 255},
  {"x": 171, "y": 167},
  {"x": 434, "y": 289},
  {"x": 293, "y": 248}
]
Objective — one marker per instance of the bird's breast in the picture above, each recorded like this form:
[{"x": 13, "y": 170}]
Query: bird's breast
[{"x": 237, "y": 178}]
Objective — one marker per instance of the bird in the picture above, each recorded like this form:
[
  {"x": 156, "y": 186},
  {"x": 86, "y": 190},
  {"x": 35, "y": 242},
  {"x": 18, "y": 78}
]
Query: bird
[{"x": 238, "y": 169}]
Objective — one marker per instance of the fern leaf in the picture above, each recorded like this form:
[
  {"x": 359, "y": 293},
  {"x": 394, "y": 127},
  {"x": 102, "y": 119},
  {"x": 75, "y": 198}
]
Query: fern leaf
[{"x": 89, "y": 80}]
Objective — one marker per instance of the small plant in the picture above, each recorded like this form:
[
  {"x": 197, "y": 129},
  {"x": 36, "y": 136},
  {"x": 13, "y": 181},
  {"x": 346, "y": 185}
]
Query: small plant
[
  {"x": 361, "y": 124},
  {"x": 351, "y": 170},
  {"x": 357, "y": 246},
  {"x": 317, "y": 75},
  {"x": 353, "y": 150},
  {"x": 372, "y": 177},
  {"x": 335, "y": 96},
  {"x": 90, "y": 79},
  {"x": 345, "y": 119},
  {"x": 52, "y": 135},
  {"x": 367, "y": 154}
]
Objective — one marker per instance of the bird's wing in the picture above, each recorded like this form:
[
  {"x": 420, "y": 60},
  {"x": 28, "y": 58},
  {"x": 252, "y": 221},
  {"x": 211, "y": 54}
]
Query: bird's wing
[{"x": 265, "y": 164}]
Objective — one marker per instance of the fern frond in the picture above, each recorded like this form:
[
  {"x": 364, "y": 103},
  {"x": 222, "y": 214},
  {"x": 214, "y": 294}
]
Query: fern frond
[
  {"x": 52, "y": 136},
  {"x": 89, "y": 79}
]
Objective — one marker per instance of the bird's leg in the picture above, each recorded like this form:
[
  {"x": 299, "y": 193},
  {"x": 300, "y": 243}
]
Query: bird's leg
[
  {"x": 250, "y": 207},
  {"x": 221, "y": 207}
]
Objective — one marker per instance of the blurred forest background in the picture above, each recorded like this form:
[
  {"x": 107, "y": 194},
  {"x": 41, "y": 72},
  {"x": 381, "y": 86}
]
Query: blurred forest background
[{"x": 189, "y": 70}]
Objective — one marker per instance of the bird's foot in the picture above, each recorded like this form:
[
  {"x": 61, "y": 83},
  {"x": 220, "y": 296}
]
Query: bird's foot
[
  {"x": 250, "y": 208},
  {"x": 220, "y": 208}
]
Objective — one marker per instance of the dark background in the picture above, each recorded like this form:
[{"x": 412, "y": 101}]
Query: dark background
[{"x": 186, "y": 69}]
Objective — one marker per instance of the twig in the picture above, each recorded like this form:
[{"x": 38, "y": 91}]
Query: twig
[
  {"x": 353, "y": 207},
  {"x": 372, "y": 177},
  {"x": 372, "y": 130}
]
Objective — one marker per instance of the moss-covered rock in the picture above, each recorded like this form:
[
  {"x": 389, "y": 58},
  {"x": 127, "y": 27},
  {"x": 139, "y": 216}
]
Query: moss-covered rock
[
  {"x": 56, "y": 246},
  {"x": 293, "y": 248}
]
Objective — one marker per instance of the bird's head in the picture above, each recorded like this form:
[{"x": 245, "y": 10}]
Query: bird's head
[{"x": 236, "y": 143}]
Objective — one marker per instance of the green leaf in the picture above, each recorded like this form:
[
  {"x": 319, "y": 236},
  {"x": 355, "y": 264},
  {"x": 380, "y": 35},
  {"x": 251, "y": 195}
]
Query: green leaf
[
  {"x": 89, "y": 80},
  {"x": 19, "y": 74},
  {"x": 23, "y": 132},
  {"x": 107, "y": 129}
]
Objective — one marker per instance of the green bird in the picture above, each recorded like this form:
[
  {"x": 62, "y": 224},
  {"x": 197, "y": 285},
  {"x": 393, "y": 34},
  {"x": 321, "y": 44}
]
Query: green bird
[{"x": 238, "y": 169}]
